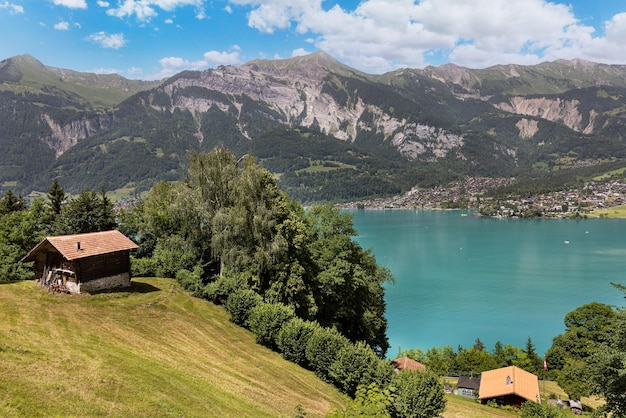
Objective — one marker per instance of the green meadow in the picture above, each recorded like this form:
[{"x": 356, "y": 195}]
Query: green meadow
[
  {"x": 154, "y": 350},
  {"x": 151, "y": 350}
]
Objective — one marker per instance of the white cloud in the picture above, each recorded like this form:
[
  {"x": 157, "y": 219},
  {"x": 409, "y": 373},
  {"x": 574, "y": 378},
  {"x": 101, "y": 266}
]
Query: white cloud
[
  {"x": 200, "y": 13},
  {"x": 106, "y": 71},
  {"x": 72, "y": 4},
  {"x": 12, "y": 8},
  {"x": 103, "y": 3},
  {"x": 135, "y": 71},
  {"x": 105, "y": 40},
  {"x": 173, "y": 65},
  {"x": 299, "y": 52},
  {"x": 62, "y": 25},
  {"x": 214, "y": 58},
  {"x": 381, "y": 35},
  {"x": 168, "y": 21},
  {"x": 144, "y": 10}
]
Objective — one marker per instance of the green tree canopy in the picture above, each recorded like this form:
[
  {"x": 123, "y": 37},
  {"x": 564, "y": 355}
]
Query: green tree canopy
[
  {"x": 417, "y": 394},
  {"x": 11, "y": 203},
  {"x": 607, "y": 371},
  {"x": 230, "y": 218},
  {"x": 87, "y": 212}
]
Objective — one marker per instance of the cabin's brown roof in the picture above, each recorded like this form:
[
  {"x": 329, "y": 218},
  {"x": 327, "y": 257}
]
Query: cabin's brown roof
[
  {"x": 73, "y": 247},
  {"x": 509, "y": 381},
  {"x": 405, "y": 363}
]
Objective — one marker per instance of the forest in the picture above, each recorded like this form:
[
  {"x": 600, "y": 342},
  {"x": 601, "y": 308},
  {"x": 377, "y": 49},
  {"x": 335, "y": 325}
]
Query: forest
[{"x": 298, "y": 281}]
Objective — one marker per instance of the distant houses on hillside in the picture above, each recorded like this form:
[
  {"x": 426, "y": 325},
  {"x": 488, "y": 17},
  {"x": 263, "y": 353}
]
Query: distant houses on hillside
[{"x": 506, "y": 386}]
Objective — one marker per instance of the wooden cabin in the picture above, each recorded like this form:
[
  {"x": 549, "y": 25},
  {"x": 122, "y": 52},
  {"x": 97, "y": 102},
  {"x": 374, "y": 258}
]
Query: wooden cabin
[{"x": 82, "y": 262}]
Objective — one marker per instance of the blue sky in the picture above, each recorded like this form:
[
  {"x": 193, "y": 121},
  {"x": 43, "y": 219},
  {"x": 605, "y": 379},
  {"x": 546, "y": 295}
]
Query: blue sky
[{"x": 152, "y": 39}]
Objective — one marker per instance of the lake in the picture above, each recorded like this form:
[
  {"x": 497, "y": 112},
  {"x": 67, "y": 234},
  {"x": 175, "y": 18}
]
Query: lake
[{"x": 460, "y": 277}]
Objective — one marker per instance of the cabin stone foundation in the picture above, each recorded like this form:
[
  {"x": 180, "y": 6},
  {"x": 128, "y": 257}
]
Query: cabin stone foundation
[{"x": 104, "y": 283}]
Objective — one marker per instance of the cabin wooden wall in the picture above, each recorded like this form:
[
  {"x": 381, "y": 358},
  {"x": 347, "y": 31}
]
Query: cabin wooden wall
[{"x": 100, "y": 266}]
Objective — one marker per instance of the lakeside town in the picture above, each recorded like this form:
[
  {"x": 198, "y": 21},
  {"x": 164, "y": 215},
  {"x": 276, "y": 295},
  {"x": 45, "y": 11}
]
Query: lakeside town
[{"x": 471, "y": 193}]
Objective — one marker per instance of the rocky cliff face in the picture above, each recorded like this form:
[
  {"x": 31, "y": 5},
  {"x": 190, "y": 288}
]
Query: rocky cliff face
[
  {"x": 297, "y": 96},
  {"x": 531, "y": 90},
  {"x": 554, "y": 110},
  {"x": 64, "y": 136}
]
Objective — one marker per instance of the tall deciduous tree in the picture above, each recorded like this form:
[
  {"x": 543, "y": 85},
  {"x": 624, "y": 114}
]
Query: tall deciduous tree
[
  {"x": 587, "y": 327},
  {"x": 349, "y": 285},
  {"x": 230, "y": 217},
  {"x": 607, "y": 371}
]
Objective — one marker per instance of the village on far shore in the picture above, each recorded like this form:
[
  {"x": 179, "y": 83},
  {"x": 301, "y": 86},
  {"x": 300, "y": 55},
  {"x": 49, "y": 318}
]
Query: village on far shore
[{"x": 594, "y": 199}]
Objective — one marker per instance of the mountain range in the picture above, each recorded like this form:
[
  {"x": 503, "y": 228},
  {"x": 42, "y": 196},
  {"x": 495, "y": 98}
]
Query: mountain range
[{"x": 327, "y": 131}]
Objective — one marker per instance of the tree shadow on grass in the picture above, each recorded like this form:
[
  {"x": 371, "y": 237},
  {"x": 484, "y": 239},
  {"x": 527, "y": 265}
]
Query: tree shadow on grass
[{"x": 135, "y": 287}]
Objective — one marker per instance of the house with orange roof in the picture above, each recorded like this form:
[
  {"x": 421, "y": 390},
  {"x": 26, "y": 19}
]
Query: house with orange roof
[
  {"x": 82, "y": 262},
  {"x": 406, "y": 363},
  {"x": 509, "y": 386}
]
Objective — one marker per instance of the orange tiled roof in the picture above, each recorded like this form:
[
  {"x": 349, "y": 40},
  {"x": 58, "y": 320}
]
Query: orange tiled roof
[
  {"x": 405, "y": 363},
  {"x": 76, "y": 246},
  {"x": 509, "y": 381}
]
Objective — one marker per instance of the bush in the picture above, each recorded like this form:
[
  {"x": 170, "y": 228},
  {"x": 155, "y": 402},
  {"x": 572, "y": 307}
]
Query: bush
[
  {"x": 322, "y": 349},
  {"x": 355, "y": 364},
  {"x": 266, "y": 319},
  {"x": 293, "y": 338},
  {"x": 142, "y": 267},
  {"x": 170, "y": 255},
  {"x": 370, "y": 401},
  {"x": 533, "y": 410},
  {"x": 191, "y": 280},
  {"x": 240, "y": 303},
  {"x": 417, "y": 394},
  {"x": 224, "y": 286}
]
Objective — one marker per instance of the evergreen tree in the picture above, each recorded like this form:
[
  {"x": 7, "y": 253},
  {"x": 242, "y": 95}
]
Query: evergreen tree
[
  {"x": 11, "y": 203},
  {"x": 56, "y": 196},
  {"x": 87, "y": 212},
  {"x": 534, "y": 362}
]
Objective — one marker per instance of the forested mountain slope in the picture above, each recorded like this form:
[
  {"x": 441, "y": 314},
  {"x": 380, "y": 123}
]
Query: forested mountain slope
[{"x": 328, "y": 131}]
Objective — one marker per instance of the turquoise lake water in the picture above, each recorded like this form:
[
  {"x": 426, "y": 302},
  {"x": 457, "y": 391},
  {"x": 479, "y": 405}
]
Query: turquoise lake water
[{"x": 461, "y": 277}]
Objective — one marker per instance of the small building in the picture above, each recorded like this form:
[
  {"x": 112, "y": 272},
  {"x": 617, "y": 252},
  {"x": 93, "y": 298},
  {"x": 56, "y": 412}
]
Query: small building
[
  {"x": 576, "y": 407},
  {"x": 509, "y": 386},
  {"x": 83, "y": 262},
  {"x": 468, "y": 386},
  {"x": 405, "y": 363}
]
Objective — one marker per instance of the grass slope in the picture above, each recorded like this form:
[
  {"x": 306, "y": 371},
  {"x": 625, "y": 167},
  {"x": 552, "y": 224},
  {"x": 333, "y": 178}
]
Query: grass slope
[{"x": 150, "y": 351}]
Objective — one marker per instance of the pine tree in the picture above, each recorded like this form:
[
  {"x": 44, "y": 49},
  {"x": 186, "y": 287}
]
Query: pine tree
[
  {"x": 56, "y": 196},
  {"x": 11, "y": 203}
]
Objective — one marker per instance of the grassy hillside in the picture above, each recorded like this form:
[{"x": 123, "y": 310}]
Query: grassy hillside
[
  {"x": 149, "y": 351},
  {"x": 153, "y": 350},
  {"x": 24, "y": 73}
]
